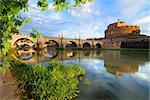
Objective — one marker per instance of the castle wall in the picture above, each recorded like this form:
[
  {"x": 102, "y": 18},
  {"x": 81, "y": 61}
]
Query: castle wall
[
  {"x": 136, "y": 44},
  {"x": 111, "y": 43},
  {"x": 139, "y": 42}
]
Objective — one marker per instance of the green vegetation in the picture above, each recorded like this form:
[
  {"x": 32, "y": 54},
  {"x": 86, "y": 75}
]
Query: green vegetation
[
  {"x": 52, "y": 82},
  {"x": 4, "y": 64},
  {"x": 35, "y": 35}
]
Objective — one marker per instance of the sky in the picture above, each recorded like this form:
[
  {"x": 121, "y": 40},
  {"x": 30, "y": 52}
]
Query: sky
[{"x": 89, "y": 21}]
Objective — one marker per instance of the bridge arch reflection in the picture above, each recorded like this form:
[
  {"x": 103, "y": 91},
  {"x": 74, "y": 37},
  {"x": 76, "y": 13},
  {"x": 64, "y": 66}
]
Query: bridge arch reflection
[
  {"x": 86, "y": 53},
  {"x": 24, "y": 55},
  {"x": 51, "y": 54},
  {"x": 71, "y": 54}
]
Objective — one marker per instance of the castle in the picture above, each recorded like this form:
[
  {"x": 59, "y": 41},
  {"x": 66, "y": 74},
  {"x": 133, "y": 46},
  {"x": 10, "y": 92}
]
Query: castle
[
  {"x": 121, "y": 29},
  {"x": 122, "y": 35}
]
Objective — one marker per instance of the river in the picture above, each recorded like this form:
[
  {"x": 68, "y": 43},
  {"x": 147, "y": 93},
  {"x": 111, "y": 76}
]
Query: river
[{"x": 110, "y": 74}]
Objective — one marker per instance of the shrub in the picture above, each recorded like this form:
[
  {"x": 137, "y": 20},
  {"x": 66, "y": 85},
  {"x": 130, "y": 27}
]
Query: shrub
[{"x": 54, "y": 82}]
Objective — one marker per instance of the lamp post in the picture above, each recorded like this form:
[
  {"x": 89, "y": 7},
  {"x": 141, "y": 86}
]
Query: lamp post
[
  {"x": 61, "y": 40},
  {"x": 92, "y": 41},
  {"x": 79, "y": 42}
]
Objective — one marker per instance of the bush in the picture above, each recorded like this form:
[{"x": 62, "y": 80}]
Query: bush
[{"x": 53, "y": 82}]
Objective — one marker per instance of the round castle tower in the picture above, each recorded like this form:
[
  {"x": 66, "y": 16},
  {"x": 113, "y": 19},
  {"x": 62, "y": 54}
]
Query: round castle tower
[{"x": 121, "y": 29}]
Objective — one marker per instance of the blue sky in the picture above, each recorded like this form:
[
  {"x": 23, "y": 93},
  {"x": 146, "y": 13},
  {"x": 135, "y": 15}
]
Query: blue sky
[{"x": 90, "y": 20}]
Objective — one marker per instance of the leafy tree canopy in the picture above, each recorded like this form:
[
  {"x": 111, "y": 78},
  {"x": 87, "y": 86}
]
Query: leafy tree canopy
[
  {"x": 35, "y": 34},
  {"x": 10, "y": 16}
]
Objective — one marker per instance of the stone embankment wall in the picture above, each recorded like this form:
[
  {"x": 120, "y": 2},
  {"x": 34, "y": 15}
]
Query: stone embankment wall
[
  {"x": 136, "y": 44},
  {"x": 139, "y": 42}
]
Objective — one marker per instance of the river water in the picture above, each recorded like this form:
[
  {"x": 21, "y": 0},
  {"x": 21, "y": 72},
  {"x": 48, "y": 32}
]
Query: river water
[{"x": 110, "y": 74}]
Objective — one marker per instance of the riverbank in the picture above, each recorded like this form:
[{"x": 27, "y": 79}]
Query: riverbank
[
  {"x": 38, "y": 82},
  {"x": 7, "y": 87}
]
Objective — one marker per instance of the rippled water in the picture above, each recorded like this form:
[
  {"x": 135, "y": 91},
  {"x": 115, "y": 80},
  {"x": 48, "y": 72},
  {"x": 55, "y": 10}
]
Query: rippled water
[{"x": 110, "y": 75}]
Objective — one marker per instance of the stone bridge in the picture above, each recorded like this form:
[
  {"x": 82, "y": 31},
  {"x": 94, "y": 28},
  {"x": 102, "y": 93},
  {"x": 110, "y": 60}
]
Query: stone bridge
[
  {"x": 54, "y": 42},
  {"x": 62, "y": 42},
  {"x": 22, "y": 40}
]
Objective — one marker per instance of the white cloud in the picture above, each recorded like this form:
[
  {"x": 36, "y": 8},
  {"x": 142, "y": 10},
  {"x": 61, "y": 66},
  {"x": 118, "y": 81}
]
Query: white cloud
[
  {"x": 75, "y": 13},
  {"x": 87, "y": 30},
  {"x": 55, "y": 16},
  {"x": 37, "y": 19},
  {"x": 87, "y": 8},
  {"x": 37, "y": 15},
  {"x": 131, "y": 8},
  {"x": 90, "y": 9},
  {"x": 145, "y": 19},
  {"x": 144, "y": 23},
  {"x": 144, "y": 71}
]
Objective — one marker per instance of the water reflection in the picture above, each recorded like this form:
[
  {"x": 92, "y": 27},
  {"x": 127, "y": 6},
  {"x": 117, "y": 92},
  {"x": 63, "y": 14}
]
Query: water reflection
[
  {"x": 24, "y": 54},
  {"x": 115, "y": 62},
  {"x": 86, "y": 53},
  {"x": 110, "y": 75},
  {"x": 71, "y": 54},
  {"x": 51, "y": 54}
]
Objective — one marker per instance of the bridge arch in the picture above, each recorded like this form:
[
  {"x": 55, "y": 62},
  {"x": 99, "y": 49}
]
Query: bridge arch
[
  {"x": 23, "y": 42},
  {"x": 16, "y": 38},
  {"x": 52, "y": 44},
  {"x": 86, "y": 45},
  {"x": 98, "y": 45},
  {"x": 71, "y": 44}
]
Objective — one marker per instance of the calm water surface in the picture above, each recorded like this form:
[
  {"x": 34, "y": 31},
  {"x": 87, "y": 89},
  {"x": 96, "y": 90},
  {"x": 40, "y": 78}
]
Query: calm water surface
[{"x": 110, "y": 75}]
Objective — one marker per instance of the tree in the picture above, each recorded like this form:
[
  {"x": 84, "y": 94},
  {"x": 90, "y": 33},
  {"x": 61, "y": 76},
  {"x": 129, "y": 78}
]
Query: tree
[
  {"x": 14, "y": 31},
  {"x": 36, "y": 35},
  {"x": 10, "y": 16}
]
